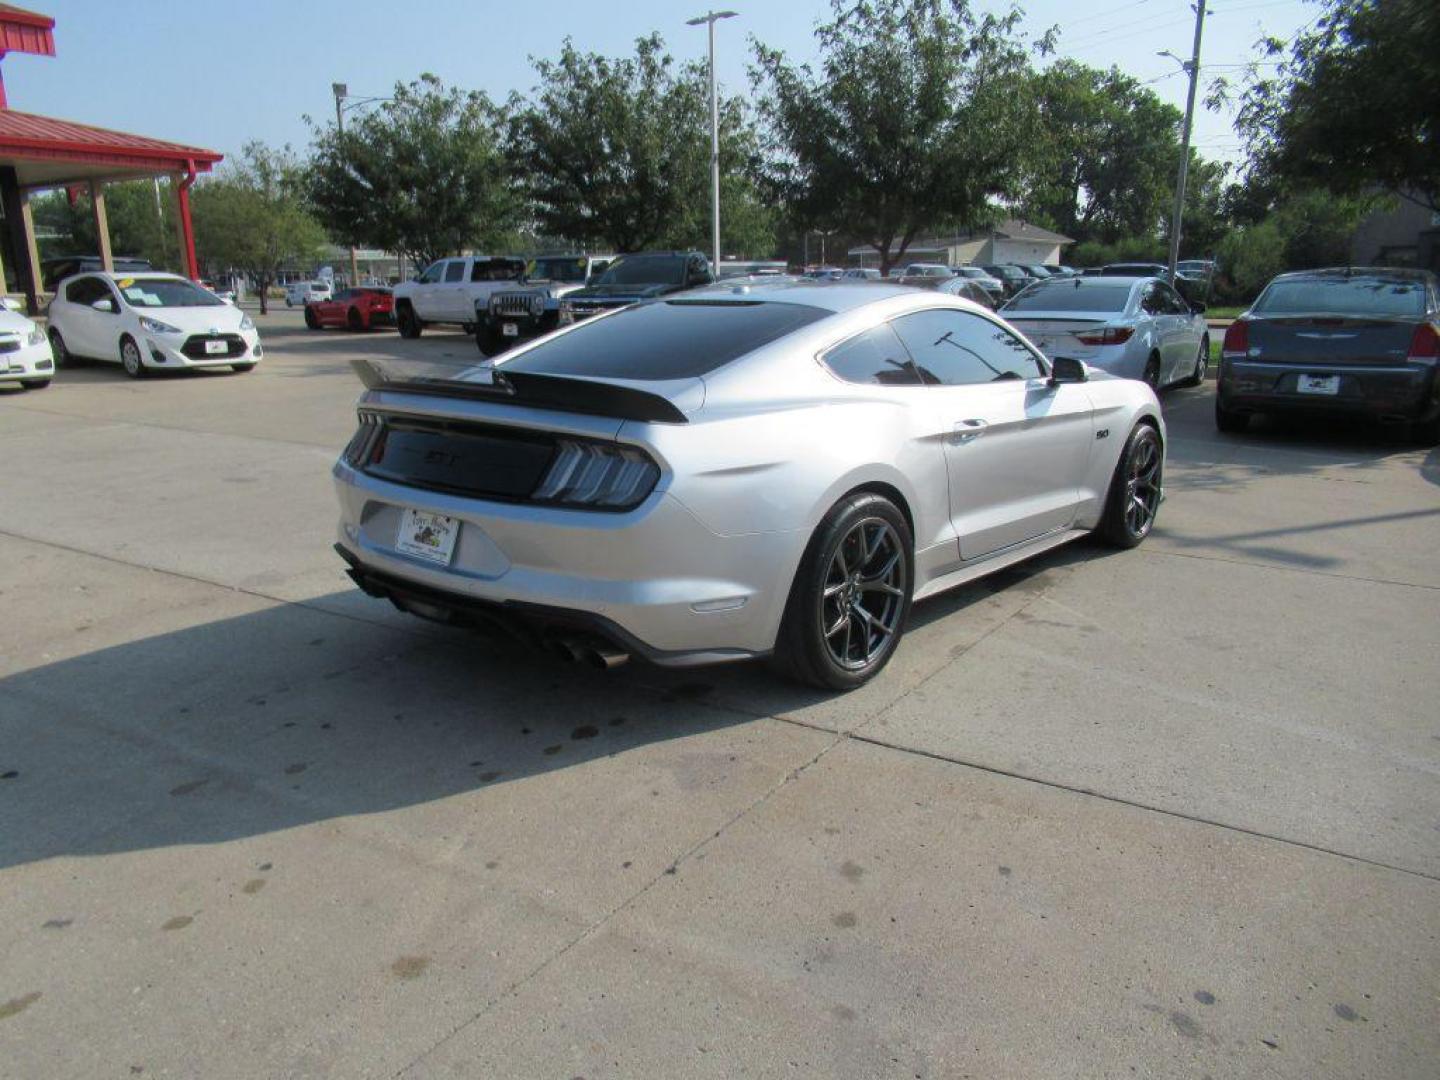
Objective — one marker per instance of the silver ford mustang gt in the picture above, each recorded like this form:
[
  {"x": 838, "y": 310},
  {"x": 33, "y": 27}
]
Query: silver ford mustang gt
[{"x": 751, "y": 470}]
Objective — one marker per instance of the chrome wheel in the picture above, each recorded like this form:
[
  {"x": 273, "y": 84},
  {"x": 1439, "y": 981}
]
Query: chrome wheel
[
  {"x": 130, "y": 359},
  {"x": 864, "y": 594},
  {"x": 1142, "y": 488}
]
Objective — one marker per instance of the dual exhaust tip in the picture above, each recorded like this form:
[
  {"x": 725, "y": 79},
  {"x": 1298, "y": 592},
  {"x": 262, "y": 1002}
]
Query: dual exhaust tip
[{"x": 598, "y": 654}]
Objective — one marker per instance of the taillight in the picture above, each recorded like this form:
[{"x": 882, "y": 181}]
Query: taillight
[
  {"x": 1110, "y": 335},
  {"x": 1425, "y": 342},
  {"x": 359, "y": 444},
  {"x": 602, "y": 476},
  {"x": 1237, "y": 339}
]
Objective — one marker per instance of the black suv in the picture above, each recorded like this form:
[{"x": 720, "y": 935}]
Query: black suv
[{"x": 641, "y": 276}]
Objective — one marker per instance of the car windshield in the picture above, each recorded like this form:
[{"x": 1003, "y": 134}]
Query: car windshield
[
  {"x": 555, "y": 269},
  {"x": 1074, "y": 294},
  {"x": 165, "y": 293},
  {"x": 1359, "y": 295},
  {"x": 645, "y": 270},
  {"x": 676, "y": 339}
]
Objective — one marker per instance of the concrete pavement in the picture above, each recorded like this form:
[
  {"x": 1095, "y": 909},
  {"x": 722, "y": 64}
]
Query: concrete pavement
[{"x": 1171, "y": 812}]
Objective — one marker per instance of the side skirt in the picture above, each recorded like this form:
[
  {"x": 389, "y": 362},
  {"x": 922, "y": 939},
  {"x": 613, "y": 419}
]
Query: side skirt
[{"x": 998, "y": 560}]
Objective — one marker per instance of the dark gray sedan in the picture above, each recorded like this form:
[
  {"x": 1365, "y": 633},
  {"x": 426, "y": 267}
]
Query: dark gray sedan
[{"x": 1362, "y": 341}]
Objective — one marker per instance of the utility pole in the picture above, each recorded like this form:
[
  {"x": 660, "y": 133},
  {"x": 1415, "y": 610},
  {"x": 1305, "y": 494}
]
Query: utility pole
[
  {"x": 342, "y": 91},
  {"x": 710, "y": 19},
  {"x": 1193, "y": 68}
]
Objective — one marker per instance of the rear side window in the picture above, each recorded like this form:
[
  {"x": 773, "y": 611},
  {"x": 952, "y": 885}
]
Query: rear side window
[
  {"x": 1343, "y": 296},
  {"x": 674, "y": 339},
  {"x": 455, "y": 270},
  {"x": 876, "y": 356},
  {"x": 956, "y": 348}
]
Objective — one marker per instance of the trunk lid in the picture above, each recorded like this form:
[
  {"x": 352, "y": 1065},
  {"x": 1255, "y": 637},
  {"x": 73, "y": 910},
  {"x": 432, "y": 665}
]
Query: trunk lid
[{"x": 1371, "y": 340}]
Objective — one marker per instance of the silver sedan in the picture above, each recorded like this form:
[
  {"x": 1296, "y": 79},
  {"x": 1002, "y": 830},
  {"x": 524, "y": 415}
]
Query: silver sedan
[
  {"x": 769, "y": 470},
  {"x": 1135, "y": 327}
]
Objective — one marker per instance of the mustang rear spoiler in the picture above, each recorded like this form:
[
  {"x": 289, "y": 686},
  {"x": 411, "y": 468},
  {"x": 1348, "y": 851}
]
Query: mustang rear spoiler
[{"x": 529, "y": 388}]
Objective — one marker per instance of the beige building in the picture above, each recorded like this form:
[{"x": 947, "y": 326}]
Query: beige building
[{"x": 1010, "y": 241}]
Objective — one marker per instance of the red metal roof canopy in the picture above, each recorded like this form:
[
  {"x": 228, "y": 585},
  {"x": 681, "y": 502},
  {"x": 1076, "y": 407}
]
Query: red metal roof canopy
[
  {"x": 25, "y": 31},
  {"x": 45, "y": 150}
]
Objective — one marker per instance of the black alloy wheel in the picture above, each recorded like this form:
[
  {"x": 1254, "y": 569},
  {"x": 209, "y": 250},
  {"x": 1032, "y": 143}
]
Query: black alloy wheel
[
  {"x": 1135, "y": 489},
  {"x": 851, "y": 597}
]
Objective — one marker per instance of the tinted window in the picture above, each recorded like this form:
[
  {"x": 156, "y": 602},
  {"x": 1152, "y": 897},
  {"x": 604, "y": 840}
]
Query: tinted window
[
  {"x": 876, "y": 356},
  {"x": 1357, "y": 295},
  {"x": 455, "y": 270},
  {"x": 1152, "y": 301},
  {"x": 1073, "y": 294},
  {"x": 677, "y": 339},
  {"x": 1173, "y": 302},
  {"x": 496, "y": 270},
  {"x": 85, "y": 291},
  {"x": 956, "y": 348},
  {"x": 645, "y": 270},
  {"x": 433, "y": 272},
  {"x": 556, "y": 269}
]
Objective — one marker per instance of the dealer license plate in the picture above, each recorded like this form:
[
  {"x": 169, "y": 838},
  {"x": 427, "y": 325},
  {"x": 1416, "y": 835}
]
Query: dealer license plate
[
  {"x": 428, "y": 536},
  {"x": 221, "y": 347},
  {"x": 509, "y": 329},
  {"x": 1319, "y": 384}
]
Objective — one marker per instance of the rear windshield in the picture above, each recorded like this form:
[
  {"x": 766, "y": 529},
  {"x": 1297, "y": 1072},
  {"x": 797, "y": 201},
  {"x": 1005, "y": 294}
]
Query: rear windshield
[
  {"x": 1071, "y": 294},
  {"x": 646, "y": 270},
  {"x": 1342, "y": 296},
  {"x": 674, "y": 339},
  {"x": 572, "y": 269}
]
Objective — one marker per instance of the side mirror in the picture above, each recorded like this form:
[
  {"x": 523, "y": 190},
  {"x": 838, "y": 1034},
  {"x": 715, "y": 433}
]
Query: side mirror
[
  {"x": 1066, "y": 369},
  {"x": 1198, "y": 308},
  {"x": 104, "y": 304}
]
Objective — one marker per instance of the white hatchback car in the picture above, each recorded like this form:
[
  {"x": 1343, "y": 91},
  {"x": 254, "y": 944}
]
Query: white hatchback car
[
  {"x": 25, "y": 355},
  {"x": 300, "y": 293},
  {"x": 149, "y": 321}
]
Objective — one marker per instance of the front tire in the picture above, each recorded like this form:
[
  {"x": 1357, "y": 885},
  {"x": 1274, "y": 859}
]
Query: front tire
[
  {"x": 851, "y": 596},
  {"x": 241, "y": 369},
  {"x": 1135, "y": 489},
  {"x": 408, "y": 323},
  {"x": 489, "y": 342},
  {"x": 353, "y": 322},
  {"x": 130, "y": 358},
  {"x": 311, "y": 319},
  {"x": 63, "y": 356},
  {"x": 34, "y": 384}
]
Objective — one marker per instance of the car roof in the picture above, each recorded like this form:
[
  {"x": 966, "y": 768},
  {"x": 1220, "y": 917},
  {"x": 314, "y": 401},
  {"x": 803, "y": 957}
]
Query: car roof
[
  {"x": 116, "y": 275},
  {"x": 1393, "y": 273},
  {"x": 835, "y": 296}
]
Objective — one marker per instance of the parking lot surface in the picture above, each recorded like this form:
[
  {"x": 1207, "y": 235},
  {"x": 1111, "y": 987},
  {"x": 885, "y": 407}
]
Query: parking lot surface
[{"x": 1172, "y": 812}]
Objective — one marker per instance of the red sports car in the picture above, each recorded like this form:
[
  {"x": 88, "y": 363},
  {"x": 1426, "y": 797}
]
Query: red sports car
[{"x": 354, "y": 309}]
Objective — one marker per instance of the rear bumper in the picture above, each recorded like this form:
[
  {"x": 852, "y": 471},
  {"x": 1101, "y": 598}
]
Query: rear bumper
[{"x": 1399, "y": 392}]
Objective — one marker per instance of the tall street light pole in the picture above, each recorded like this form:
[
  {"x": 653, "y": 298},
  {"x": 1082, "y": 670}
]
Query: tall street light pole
[
  {"x": 1192, "y": 67},
  {"x": 710, "y": 19},
  {"x": 342, "y": 91}
]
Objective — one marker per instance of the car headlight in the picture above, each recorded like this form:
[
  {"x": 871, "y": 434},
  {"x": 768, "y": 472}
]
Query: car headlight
[
  {"x": 247, "y": 323},
  {"x": 155, "y": 326},
  {"x": 599, "y": 476},
  {"x": 537, "y": 304},
  {"x": 36, "y": 335},
  {"x": 494, "y": 301}
]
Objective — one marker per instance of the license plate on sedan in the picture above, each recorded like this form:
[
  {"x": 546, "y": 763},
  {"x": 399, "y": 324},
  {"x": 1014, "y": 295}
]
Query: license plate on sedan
[
  {"x": 1319, "y": 384},
  {"x": 509, "y": 329},
  {"x": 220, "y": 347},
  {"x": 428, "y": 536}
]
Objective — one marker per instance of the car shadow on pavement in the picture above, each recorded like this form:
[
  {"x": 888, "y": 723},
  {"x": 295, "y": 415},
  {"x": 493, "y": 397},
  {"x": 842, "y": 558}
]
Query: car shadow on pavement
[{"x": 289, "y": 716}]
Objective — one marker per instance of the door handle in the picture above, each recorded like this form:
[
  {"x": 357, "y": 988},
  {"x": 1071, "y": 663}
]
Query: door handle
[{"x": 967, "y": 431}]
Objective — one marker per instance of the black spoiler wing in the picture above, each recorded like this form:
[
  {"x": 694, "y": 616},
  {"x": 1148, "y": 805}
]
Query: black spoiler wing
[{"x": 528, "y": 388}]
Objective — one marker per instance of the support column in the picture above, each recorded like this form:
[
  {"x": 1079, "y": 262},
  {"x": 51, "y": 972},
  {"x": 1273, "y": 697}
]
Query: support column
[
  {"x": 184, "y": 230},
  {"x": 102, "y": 225},
  {"x": 21, "y": 226}
]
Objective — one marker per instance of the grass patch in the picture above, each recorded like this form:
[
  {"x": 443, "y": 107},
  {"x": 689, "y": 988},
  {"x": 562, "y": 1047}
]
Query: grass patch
[{"x": 1223, "y": 312}]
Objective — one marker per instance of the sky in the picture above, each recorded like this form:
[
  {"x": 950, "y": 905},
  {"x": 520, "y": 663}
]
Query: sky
[{"x": 217, "y": 75}]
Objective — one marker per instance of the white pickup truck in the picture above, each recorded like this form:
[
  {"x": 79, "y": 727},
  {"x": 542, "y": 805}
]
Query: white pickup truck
[{"x": 450, "y": 290}]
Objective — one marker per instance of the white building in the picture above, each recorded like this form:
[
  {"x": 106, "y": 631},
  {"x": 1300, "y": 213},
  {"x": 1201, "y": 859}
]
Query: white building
[{"x": 1009, "y": 241}]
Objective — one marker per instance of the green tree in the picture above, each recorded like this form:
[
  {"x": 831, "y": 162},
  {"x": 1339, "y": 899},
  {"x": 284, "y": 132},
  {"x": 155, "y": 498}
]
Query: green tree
[
  {"x": 137, "y": 226},
  {"x": 1305, "y": 230},
  {"x": 422, "y": 174},
  {"x": 614, "y": 152},
  {"x": 1104, "y": 165},
  {"x": 1352, "y": 104},
  {"x": 253, "y": 217},
  {"x": 916, "y": 117}
]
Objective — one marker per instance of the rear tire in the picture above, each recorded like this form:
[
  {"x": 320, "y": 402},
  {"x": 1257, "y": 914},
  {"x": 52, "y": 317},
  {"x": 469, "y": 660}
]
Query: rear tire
[
  {"x": 1426, "y": 432},
  {"x": 353, "y": 321},
  {"x": 1133, "y": 501},
  {"x": 856, "y": 582},
  {"x": 1151, "y": 375},
  {"x": 130, "y": 358},
  {"x": 407, "y": 322},
  {"x": 1229, "y": 421}
]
